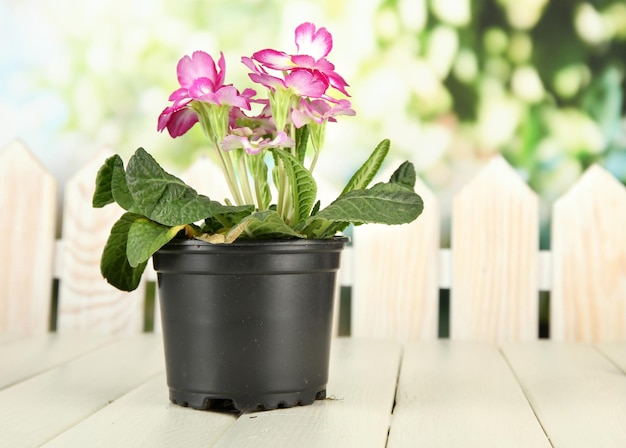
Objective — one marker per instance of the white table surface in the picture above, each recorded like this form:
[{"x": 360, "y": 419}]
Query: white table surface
[{"x": 97, "y": 391}]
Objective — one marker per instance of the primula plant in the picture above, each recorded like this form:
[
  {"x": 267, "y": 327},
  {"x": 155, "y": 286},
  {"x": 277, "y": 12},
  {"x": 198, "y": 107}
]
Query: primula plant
[{"x": 267, "y": 158}]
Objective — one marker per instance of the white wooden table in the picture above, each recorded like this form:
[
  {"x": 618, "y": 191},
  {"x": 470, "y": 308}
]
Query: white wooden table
[{"x": 94, "y": 391}]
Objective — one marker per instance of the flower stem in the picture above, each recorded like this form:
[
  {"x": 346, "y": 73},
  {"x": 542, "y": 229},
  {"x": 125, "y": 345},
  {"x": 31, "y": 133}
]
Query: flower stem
[
  {"x": 243, "y": 180},
  {"x": 318, "y": 135},
  {"x": 214, "y": 122},
  {"x": 229, "y": 173}
]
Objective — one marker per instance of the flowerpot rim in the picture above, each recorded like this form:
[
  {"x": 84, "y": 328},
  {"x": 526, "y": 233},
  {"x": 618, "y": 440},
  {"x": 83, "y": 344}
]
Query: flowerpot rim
[{"x": 337, "y": 242}]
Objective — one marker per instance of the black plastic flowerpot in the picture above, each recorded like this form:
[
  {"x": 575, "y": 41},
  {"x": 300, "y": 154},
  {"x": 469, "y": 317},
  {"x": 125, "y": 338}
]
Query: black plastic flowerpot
[{"x": 247, "y": 325}]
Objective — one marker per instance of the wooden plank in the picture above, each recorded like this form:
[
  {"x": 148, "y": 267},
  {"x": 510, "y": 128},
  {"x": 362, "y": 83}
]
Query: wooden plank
[
  {"x": 457, "y": 394},
  {"x": 589, "y": 257},
  {"x": 395, "y": 291},
  {"x": 143, "y": 417},
  {"x": 615, "y": 351},
  {"x": 87, "y": 303},
  {"x": 36, "y": 410},
  {"x": 495, "y": 245},
  {"x": 8, "y": 337},
  {"x": 28, "y": 202},
  {"x": 576, "y": 392},
  {"x": 27, "y": 357},
  {"x": 362, "y": 383}
]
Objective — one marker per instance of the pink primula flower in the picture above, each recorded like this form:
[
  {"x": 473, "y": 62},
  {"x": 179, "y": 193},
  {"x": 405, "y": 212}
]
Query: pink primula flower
[
  {"x": 200, "y": 80},
  {"x": 313, "y": 47}
]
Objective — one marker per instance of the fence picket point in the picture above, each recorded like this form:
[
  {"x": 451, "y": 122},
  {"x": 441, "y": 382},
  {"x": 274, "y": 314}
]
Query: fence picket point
[
  {"x": 495, "y": 245},
  {"x": 588, "y": 301}
]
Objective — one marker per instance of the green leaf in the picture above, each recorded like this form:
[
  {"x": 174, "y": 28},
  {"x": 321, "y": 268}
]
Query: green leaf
[
  {"x": 145, "y": 237},
  {"x": 303, "y": 186},
  {"x": 302, "y": 140},
  {"x": 260, "y": 225},
  {"x": 119, "y": 187},
  {"x": 316, "y": 228},
  {"x": 364, "y": 175},
  {"x": 404, "y": 175},
  {"x": 162, "y": 197},
  {"x": 384, "y": 203},
  {"x": 226, "y": 216},
  {"x": 267, "y": 224},
  {"x": 114, "y": 263},
  {"x": 104, "y": 194},
  {"x": 316, "y": 208}
]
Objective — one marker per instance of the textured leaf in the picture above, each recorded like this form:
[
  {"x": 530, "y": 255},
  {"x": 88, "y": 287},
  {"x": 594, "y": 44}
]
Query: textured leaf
[
  {"x": 364, "y": 175},
  {"x": 226, "y": 216},
  {"x": 316, "y": 228},
  {"x": 162, "y": 197},
  {"x": 114, "y": 263},
  {"x": 404, "y": 175},
  {"x": 302, "y": 141},
  {"x": 104, "y": 194},
  {"x": 145, "y": 237},
  {"x": 119, "y": 186},
  {"x": 384, "y": 203},
  {"x": 316, "y": 208},
  {"x": 304, "y": 188},
  {"x": 267, "y": 224}
]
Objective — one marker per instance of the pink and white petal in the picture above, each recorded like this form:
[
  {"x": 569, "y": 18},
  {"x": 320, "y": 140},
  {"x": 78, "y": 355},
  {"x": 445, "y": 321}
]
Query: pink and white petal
[
  {"x": 199, "y": 65},
  {"x": 337, "y": 82},
  {"x": 281, "y": 140},
  {"x": 221, "y": 74},
  {"x": 306, "y": 61},
  {"x": 201, "y": 87},
  {"x": 300, "y": 118},
  {"x": 273, "y": 59},
  {"x": 252, "y": 149},
  {"x": 248, "y": 62},
  {"x": 303, "y": 61},
  {"x": 244, "y": 131},
  {"x": 228, "y": 95},
  {"x": 319, "y": 107},
  {"x": 343, "y": 107},
  {"x": 164, "y": 118},
  {"x": 314, "y": 43},
  {"x": 231, "y": 142},
  {"x": 210, "y": 97},
  {"x": 306, "y": 83},
  {"x": 324, "y": 65},
  {"x": 268, "y": 80},
  {"x": 179, "y": 94},
  {"x": 181, "y": 121},
  {"x": 248, "y": 93}
]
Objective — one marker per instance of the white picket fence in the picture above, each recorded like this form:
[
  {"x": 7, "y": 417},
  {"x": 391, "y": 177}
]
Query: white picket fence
[{"x": 494, "y": 270}]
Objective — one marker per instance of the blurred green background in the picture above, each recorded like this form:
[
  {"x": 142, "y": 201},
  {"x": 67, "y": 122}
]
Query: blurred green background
[{"x": 450, "y": 82}]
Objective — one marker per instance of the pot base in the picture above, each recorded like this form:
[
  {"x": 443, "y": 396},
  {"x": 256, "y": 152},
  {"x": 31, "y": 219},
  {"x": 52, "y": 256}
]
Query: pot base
[{"x": 245, "y": 403}]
